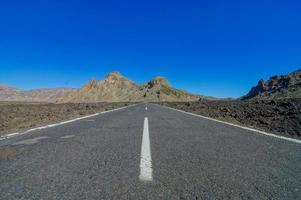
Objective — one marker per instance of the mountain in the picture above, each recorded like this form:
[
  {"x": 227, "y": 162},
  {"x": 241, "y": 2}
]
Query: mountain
[
  {"x": 7, "y": 88},
  {"x": 277, "y": 87},
  {"x": 40, "y": 95},
  {"x": 116, "y": 88},
  {"x": 158, "y": 89},
  {"x": 113, "y": 88}
]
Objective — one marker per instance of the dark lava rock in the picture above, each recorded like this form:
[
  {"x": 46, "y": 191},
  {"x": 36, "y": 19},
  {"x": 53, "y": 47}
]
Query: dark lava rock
[{"x": 279, "y": 116}]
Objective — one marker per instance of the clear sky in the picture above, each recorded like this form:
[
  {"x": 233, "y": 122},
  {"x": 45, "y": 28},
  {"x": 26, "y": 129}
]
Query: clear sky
[{"x": 218, "y": 48}]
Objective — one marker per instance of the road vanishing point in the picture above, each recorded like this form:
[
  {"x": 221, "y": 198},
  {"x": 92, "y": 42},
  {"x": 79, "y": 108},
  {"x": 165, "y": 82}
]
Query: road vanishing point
[{"x": 148, "y": 151}]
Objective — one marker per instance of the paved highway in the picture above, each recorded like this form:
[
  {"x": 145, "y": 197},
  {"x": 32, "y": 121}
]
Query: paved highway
[{"x": 153, "y": 153}]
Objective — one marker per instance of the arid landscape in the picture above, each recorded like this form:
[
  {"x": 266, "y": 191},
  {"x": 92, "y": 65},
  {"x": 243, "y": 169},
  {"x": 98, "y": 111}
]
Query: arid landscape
[
  {"x": 160, "y": 100},
  {"x": 281, "y": 116},
  {"x": 273, "y": 106},
  {"x": 113, "y": 88},
  {"x": 16, "y": 116}
]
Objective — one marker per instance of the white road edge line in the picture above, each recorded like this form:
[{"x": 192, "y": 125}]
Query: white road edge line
[
  {"x": 146, "y": 171},
  {"x": 243, "y": 127},
  {"x": 61, "y": 123}
]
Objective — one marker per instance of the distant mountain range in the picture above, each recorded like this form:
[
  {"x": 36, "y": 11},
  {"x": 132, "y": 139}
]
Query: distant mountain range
[
  {"x": 277, "y": 87},
  {"x": 117, "y": 88},
  {"x": 40, "y": 95},
  {"x": 113, "y": 88}
]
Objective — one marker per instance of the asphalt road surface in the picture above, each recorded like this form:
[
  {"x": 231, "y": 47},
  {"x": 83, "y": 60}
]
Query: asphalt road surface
[{"x": 154, "y": 153}]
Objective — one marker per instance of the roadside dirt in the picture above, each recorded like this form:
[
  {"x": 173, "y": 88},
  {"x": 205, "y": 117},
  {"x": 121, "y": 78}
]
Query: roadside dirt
[
  {"x": 281, "y": 117},
  {"x": 21, "y": 116}
]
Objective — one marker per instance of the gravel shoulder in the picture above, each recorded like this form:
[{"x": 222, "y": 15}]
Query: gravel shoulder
[
  {"x": 20, "y": 116},
  {"x": 281, "y": 117}
]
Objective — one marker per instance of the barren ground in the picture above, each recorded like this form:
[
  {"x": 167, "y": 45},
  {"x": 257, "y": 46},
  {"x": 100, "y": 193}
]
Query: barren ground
[
  {"x": 281, "y": 117},
  {"x": 17, "y": 116}
]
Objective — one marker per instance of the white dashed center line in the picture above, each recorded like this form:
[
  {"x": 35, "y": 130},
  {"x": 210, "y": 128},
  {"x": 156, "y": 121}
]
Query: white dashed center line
[{"x": 146, "y": 171}]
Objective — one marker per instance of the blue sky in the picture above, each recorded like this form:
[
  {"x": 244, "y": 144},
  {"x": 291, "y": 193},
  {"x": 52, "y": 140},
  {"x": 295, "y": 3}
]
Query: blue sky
[{"x": 217, "y": 48}]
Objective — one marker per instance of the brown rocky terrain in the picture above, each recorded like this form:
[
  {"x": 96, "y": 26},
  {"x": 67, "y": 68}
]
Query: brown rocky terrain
[
  {"x": 16, "y": 116},
  {"x": 277, "y": 87},
  {"x": 279, "y": 116},
  {"x": 273, "y": 105},
  {"x": 113, "y": 88},
  {"x": 116, "y": 88},
  {"x": 38, "y": 95}
]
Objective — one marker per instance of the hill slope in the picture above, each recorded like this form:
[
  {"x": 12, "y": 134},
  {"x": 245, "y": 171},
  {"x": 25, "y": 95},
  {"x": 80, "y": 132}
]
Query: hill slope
[
  {"x": 116, "y": 88},
  {"x": 277, "y": 87}
]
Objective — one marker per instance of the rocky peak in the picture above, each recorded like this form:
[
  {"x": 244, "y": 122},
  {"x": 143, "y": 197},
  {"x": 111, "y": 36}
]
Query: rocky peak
[
  {"x": 114, "y": 78},
  {"x": 91, "y": 84},
  {"x": 289, "y": 83},
  {"x": 114, "y": 75},
  {"x": 158, "y": 81},
  {"x": 261, "y": 87}
]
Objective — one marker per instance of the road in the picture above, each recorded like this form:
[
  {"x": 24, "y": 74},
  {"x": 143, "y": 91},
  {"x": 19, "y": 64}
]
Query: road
[{"x": 153, "y": 153}]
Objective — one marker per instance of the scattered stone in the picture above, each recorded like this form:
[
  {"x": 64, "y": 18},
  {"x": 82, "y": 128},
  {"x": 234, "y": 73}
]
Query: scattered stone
[
  {"x": 21, "y": 116},
  {"x": 279, "y": 116}
]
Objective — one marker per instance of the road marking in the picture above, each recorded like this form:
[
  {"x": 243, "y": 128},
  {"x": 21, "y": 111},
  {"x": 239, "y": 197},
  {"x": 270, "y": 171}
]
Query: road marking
[
  {"x": 67, "y": 136},
  {"x": 31, "y": 141},
  {"x": 61, "y": 123},
  {"x": 146, "y": 171},
  {"x": 243, "y": 127},
  {"x": 145, "y": 108}
]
